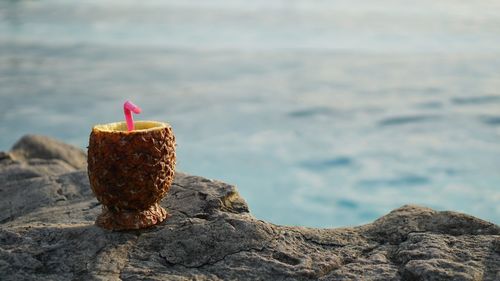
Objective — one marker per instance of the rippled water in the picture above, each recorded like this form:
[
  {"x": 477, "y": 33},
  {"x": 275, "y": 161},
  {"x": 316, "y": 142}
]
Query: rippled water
[{"x": 323, "y": 115}]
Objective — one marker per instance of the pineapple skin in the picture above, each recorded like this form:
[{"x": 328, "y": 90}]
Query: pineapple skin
[{"x": 130, "y": 172}]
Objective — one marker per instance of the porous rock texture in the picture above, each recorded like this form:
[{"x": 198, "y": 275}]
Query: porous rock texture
[{"x": 47, "y": 214}]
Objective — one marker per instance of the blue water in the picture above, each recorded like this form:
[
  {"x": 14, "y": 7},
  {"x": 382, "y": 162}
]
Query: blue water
[{"x": 323, "y": 114}]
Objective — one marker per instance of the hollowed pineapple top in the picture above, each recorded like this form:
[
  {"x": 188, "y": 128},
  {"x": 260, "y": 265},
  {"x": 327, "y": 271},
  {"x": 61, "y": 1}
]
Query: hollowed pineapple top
[
  {"x": 131, "y": 170},
  {"x": 140, "y": 126}
]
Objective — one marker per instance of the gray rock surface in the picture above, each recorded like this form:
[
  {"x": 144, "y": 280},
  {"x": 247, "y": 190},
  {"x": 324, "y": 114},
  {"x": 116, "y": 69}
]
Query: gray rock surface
[
  {"x": 47, "y": 232},
  {"x": 41, "y": 147}
]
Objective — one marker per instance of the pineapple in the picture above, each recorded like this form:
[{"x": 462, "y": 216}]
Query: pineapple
[{"x": 130, "y": 172}]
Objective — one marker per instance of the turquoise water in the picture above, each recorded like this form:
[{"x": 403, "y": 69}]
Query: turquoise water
[{"x": 324, "y": 114}]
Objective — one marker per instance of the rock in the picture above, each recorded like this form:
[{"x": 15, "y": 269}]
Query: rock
[
  {"x": 47, "y": 214},
  {"x": 41, "y": 147}
]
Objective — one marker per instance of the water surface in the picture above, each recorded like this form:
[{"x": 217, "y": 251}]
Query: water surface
[{"x": 324, "y": 114}]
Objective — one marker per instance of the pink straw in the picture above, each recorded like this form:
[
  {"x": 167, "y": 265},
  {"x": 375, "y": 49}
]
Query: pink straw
[{"x": 128, "y": 108}]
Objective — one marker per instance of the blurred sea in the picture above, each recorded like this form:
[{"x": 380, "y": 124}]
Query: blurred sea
[{"x": 323, "y": 113}]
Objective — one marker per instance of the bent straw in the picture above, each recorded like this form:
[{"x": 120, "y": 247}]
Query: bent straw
[{"x": 128, "y": 108}]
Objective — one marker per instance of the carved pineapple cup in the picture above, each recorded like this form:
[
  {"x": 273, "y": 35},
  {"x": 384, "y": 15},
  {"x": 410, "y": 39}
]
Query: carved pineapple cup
[{"x": 130, "y": 172}]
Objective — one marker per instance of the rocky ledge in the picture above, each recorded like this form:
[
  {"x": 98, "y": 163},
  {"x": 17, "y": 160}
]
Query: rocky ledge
[{"x": 47, "y": 214}]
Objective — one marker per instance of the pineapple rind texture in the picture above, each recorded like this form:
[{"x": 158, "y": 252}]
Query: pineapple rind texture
[{"x": 130, "y": 172}]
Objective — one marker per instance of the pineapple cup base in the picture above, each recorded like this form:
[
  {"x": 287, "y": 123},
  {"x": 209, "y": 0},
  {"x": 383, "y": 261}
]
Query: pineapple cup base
[{"x": 131, "y": 219}]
